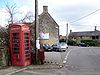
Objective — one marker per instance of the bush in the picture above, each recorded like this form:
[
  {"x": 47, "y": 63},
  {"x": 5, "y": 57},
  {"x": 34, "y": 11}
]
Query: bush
[
  {"x": 4, "y": 42},
  {"x": 62, "y": 40},
  {"x": 72, "y": 42},
  {"x": 89, "y": 42}
]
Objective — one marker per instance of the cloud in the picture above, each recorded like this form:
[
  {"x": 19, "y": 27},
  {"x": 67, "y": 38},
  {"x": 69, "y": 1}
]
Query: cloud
[
  {"x": 21, "y": 12},
  {"x": 64, "y": 11},
  {"x": 73, "y": 10},
  {"x": 3, "y": 17}
]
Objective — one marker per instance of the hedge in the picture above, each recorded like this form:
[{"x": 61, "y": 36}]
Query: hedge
[
  {"x": 90, "y": 42},
  {"x": 72, "y": 42}
]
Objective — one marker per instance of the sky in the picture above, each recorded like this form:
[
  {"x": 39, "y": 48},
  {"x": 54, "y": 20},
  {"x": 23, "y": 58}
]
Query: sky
[{"x": 80, "y": 15}]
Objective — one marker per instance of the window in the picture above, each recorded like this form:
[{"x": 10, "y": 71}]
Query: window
[
  {"x": 95, "y": 37},
  {"x": 15, "y": 42},
  {"x": 26, "y": 46}
]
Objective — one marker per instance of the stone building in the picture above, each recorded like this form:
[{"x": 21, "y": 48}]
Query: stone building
[
  {"x": 85, "y": 35},
  {"x": 48, "y": 28}
]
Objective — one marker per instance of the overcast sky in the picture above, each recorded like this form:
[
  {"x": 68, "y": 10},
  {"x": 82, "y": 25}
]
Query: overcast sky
[{"x": 63, "y": 11}]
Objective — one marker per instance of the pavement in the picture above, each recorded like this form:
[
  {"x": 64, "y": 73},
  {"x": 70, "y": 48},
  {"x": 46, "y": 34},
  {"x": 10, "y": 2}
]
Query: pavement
[
  {"x": 53, "y": 61},
  {"x": 11, "y": 70}
]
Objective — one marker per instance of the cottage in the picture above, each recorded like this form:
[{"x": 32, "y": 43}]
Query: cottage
[
  {"x": 85, "y": 35},
  {"x": 48, "y": 28}
]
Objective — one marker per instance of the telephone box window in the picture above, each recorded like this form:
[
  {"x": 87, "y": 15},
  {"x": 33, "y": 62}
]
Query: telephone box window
[
  {"x": 15, "y": 42},
  {"x": 26, "y": 46}
]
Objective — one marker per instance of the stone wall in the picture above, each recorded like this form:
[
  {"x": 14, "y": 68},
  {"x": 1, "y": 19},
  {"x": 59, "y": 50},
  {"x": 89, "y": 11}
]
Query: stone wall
[{"x": 4, "y": 57}]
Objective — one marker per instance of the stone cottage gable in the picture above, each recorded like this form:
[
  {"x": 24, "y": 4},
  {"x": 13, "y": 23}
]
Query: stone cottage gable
[{"x": 47, "y": 23}]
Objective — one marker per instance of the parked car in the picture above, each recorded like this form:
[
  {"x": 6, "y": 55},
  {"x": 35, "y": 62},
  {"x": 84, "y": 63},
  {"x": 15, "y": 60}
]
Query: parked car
[
  {"x": 55, "y": 47},
  {"x": 63, "y": 46},
  {"x": 47, "y": 47},
  {"x": 82, "y": 45}
]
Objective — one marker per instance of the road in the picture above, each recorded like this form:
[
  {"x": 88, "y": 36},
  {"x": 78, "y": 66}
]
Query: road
[
  {"x": 76, "y": 61},
  {"x": 83, "y": 61}
]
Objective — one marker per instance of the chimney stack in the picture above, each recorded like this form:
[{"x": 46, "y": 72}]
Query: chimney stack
[
  {"x": 70, "y": 31},
  {"x": 45, "y": 9},
  {"x": 95, "y": 28}
]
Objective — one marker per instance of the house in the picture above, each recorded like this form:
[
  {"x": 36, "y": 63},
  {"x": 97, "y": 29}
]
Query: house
[
  {"x": 85, "y": 35},
  {"x": 48, "y": 28}
]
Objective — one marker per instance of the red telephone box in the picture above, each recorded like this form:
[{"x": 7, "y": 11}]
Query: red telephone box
[{"x": 20, "y": 45}]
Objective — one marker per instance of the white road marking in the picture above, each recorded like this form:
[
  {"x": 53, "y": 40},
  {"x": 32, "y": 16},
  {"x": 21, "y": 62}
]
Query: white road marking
[
  {"x": 66, "y": 57},
  {"x": 68, "y": 54},
  {"x": 64, "y": 61}
]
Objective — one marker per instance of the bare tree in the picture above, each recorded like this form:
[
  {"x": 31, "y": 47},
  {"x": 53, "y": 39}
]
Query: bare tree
[
  {"x": 29, "y": 16},
  {"x": 11, "y": 10}
]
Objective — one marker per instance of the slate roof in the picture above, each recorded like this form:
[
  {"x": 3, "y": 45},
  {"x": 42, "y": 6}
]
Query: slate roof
[{"x": 85, "y": 33}]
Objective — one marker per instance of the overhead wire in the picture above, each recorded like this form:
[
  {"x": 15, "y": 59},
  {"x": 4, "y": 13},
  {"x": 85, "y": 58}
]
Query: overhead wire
[{"x": 86, "y": 16}]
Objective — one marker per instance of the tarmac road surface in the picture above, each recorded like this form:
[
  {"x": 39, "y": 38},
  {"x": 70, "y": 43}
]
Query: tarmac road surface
[{"x": 83, "y": 61}]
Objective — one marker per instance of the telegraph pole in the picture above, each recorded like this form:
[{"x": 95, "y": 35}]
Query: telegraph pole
[
  {"x": 66, "y": 32},
  {"x": 36, "y": 30}
]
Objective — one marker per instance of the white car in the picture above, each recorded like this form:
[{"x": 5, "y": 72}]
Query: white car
[{"x": 63, "y": 46}]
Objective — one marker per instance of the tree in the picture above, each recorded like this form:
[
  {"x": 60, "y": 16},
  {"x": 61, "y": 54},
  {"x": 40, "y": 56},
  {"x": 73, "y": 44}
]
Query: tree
[
  {"x": 11, "y": 10},
  {"x": 28, "y": 17}
]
